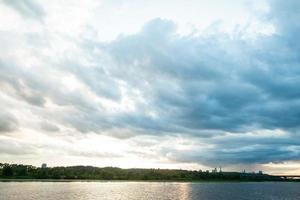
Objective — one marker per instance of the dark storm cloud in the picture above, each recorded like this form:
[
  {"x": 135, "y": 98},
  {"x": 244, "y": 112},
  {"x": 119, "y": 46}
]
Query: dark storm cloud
[
  {"x": 27, "y": 8},
  {"x": 239, "y": 148},
  {"x": 210, "y": 83}
]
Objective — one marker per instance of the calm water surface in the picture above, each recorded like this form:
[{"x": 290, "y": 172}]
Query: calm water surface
[{"x": 147, "y": 190}]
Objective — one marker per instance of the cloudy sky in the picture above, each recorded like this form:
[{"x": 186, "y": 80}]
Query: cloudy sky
[{"x": 165, "y": 84}]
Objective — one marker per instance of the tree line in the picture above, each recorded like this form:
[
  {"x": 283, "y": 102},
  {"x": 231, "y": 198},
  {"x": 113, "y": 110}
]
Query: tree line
[{"x": 19, "y": 171}]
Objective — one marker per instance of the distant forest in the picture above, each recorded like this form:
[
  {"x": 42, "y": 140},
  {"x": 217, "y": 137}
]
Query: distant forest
[{"x": 18, "y": 171}]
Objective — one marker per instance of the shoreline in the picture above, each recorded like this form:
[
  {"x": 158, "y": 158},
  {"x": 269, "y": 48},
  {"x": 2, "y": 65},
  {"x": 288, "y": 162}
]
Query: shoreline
[{"x": 149, "y": 181}]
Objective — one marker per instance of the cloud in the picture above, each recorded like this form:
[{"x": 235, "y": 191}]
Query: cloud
[
  {"x": 27, "y": 8},
  {"x": 235, "y": 99},
  {"x": 8, "y": 122},
  {"x": 233, "y": 149},
  {"x": 49, "y": 127},
  {"x": 209, "y": 83},
  {"x": 13, "y": 147}
]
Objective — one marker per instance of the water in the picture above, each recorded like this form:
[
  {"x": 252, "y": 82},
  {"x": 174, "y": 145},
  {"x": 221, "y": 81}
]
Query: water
[{"x": 147, "y": 191}]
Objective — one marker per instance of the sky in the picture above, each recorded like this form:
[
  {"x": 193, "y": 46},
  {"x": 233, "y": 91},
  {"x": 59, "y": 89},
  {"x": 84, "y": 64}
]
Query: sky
[{"x": 151, "y": 84}]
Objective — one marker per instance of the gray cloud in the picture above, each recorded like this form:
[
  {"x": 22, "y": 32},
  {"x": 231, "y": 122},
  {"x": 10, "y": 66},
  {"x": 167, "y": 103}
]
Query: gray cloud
[
  {"x": 237, "y": 149},
  {"x": 27, "y": 8},
  {"x": 18, "y": 82},
  {"x": 15, "y": 148},
  {"x": 204, "y": 83},
  {"x": 8, "y": 122},
  {"x": 49, "y": 126}
]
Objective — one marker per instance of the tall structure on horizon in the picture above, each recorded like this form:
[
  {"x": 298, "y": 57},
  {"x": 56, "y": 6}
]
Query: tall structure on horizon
[{"x": 44, "y": 165}]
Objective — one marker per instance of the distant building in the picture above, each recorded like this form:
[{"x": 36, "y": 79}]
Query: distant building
[
  {"x": 214, "y": 170},
  {"x": 260, "y": 172},
  {"x": 44, "y": 165}
]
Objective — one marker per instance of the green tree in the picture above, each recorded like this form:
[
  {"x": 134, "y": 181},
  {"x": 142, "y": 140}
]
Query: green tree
[{"x": 7, "y": 171}]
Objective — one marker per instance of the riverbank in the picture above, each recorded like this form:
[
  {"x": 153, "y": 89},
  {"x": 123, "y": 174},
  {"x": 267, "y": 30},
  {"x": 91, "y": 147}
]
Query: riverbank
[{"x": 168, "y": 181}]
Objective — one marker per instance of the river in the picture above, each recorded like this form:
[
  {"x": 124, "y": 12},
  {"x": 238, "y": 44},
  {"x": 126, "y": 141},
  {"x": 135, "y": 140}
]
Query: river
[{"x": 115, "y": 190}]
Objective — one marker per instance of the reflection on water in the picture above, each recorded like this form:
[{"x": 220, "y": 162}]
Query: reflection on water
[{"x": 147, "y": 190}]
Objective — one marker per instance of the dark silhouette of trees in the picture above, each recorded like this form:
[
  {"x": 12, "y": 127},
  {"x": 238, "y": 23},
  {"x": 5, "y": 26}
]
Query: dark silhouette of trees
[
  {"x": 114, "y": 173},
  {"x": 7, "y": 170}
]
